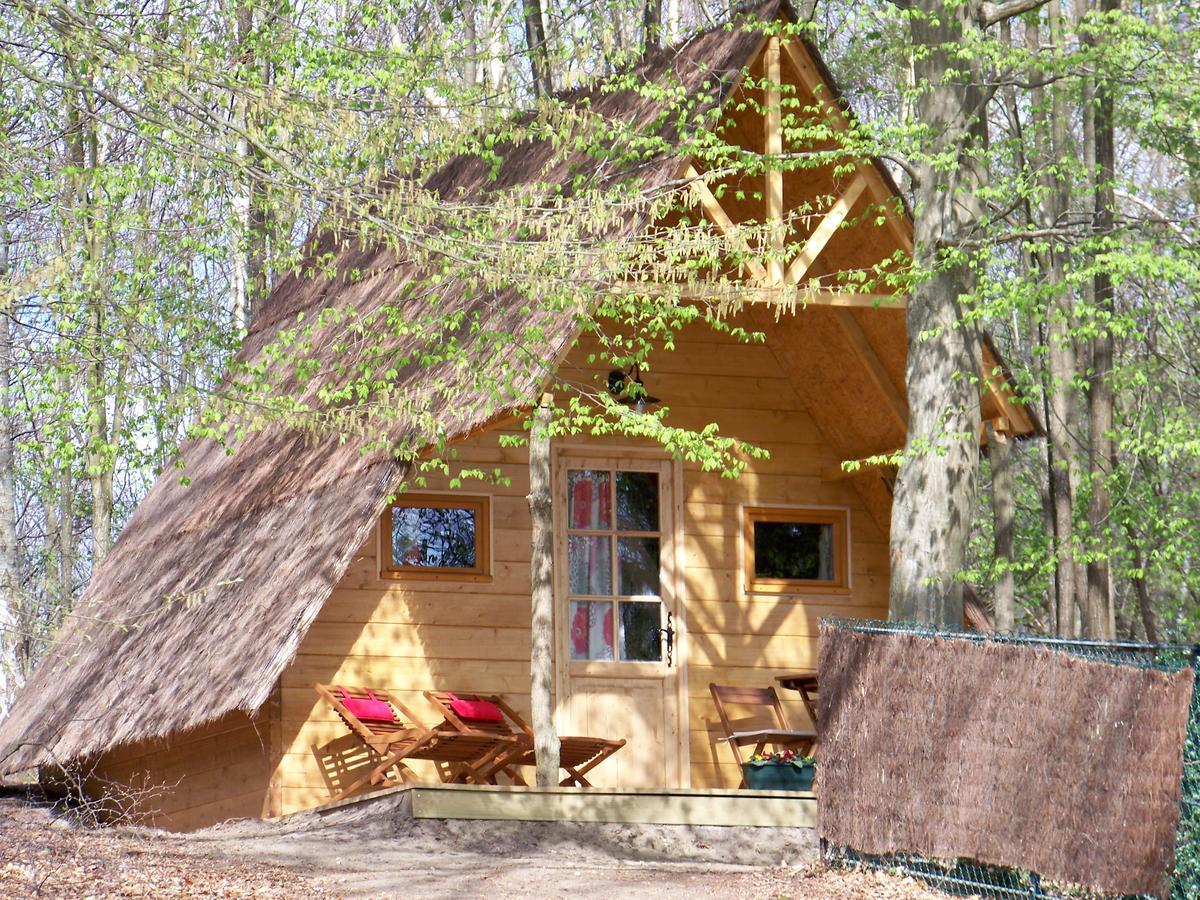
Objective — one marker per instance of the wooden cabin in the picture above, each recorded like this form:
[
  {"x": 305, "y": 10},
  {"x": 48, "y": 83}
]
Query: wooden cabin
[{"x": 284, "y": 564}]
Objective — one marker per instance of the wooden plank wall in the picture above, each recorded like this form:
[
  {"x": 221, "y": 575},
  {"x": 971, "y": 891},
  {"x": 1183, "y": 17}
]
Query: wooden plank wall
[
  {"x": 736, "y": 638},
  {"x": 412, "y": 635},
  {"x": 193, "y": 779},
  {"x": 408, "y": 636}
]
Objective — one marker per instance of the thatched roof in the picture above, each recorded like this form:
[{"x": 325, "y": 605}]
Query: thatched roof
[{"x": 211, "y": 587}]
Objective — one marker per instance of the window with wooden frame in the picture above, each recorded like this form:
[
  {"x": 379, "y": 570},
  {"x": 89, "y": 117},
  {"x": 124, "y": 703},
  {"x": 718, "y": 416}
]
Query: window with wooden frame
[
  {"x": 436, "y": 536},
  {"x": 795, "y": 551}
]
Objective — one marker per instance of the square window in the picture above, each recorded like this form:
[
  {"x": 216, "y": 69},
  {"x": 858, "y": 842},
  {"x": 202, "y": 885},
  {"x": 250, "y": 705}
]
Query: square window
[
  {"x": 428, "y": 535},
  {"x": 796, "y": 550}
]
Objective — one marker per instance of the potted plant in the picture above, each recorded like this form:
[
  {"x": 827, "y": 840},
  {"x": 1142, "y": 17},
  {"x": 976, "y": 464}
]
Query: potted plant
[{"x": 783, "y": 770}]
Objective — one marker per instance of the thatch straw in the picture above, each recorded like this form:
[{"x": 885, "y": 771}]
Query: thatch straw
[{"x": 1007, "y": 754}]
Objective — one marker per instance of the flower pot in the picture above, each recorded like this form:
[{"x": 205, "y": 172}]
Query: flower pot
[{"x": 777, "y": 776}]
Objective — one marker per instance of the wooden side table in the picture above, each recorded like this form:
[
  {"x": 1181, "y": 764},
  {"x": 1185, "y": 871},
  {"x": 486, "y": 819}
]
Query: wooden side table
[{"x": 805, "y": 684}]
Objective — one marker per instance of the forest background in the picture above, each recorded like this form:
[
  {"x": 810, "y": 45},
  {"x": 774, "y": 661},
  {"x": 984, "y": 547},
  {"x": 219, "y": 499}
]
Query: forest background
[{"x": 162, "y": 163}]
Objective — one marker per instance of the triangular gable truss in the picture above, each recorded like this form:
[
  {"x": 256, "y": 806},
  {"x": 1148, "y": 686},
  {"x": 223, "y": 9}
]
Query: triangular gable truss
[{"x": 777, "y": 279}]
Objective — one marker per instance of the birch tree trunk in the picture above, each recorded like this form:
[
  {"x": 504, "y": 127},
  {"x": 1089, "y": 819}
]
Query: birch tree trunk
[
  {"x": 541, "y": 661},
  {"x": 9, "y": 584},
  {"x": 936, "y": 485},
  {"x": 671, "y": 28},
  {"x": 497, "y": 46}
]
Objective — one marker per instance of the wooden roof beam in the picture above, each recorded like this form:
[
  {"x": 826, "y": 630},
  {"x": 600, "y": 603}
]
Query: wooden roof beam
[
  {"x": 773, "y": 150},
  {"x": 718, "y": 216},
  {"x": 1014, "y": 417},
  {"x": 825, "y": 230},
  {"x": 866, "y": 353},
  {"x": 806, "y": 295},
  {"x": 881, "y": 191}
]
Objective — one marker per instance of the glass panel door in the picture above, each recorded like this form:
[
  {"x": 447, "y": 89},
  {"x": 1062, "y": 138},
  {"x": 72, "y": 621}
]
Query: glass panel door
[{"x": 614, "y": 545}]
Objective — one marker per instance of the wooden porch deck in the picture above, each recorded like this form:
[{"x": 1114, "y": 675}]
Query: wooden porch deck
[{"x": 656, "y": 806}]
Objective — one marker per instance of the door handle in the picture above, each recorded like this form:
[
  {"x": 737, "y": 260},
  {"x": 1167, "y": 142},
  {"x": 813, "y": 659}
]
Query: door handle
[{"x": 668, "y": 635}]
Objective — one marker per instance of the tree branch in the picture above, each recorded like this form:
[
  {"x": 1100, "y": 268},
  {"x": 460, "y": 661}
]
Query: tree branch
[{"x": 992, "y": 13}]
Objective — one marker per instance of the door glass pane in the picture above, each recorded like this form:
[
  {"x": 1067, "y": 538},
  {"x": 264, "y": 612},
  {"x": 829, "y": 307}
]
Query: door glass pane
[
  {"x": 591, "y": 629},
  {"x": 640, "y": 640},
  {"x": 637, "y": 566},
  {"x": 442, "y": 537},
  {"x": 589, "y": 564},
  {"x": 637, "y": 501},
  {"x": 800, "y": 550},
  {"x": 589, "y": 498}
]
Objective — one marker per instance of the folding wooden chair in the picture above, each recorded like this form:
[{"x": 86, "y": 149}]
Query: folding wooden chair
[
  {"x": 766, "y": 710},
  {"x": 392, "y": 734},
  {"x": 576, "y": 756}
]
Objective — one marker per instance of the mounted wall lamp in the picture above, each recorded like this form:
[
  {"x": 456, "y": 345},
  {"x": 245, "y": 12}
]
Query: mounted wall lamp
[{"x": 627, "y": 387}]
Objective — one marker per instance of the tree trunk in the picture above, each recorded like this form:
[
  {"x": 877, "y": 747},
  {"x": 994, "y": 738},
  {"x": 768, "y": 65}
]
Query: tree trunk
[
  {"x": 672, "y": 27},
  {"x": 1003, "y": 511},
  {"x": 470, "y": 58},
  {"x": 238, "y": 266},
  {"x": 99, "y": 463},
  {"x": 66, "y": 527},
  {"x": 9, "y": 581},
  {"x": 83, "y": 147},
  {"x": 539, "y": 51},
  {"x": 497, "y": 49},
  {"x": 541, "y": 687},
  {"x": 651, "y": 25},
  {"x": 1097, "y": 611},
  {"x": 99, "y": 455},
  {"x": 1062, "y": 407},
  {"x": 936, "y": 485},
  {"x": 250, "y": 238},
  {"x": 1145, "y": 603}
]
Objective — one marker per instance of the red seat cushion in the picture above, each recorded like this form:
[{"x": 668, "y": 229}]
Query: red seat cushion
[
  {"x": 477, "y": 710},
  {"x": 371, "y": 709}
]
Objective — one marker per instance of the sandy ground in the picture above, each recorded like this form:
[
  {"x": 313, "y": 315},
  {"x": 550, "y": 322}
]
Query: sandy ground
[{"x": 378, "y": 850}]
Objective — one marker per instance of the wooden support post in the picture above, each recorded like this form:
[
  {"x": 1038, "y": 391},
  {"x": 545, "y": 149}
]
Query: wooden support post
[
  {"x": 541, "y": 660},
  {"x": 773, "y": 150}
]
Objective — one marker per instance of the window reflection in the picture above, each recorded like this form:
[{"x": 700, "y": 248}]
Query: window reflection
[
  {"x": 640, "y": 638},
  {"x": 637, "y": 566},
  {"x": 637, "y": 501},
  {"x": 434, "y": 537},
  {"x": 797, "y": 550}
]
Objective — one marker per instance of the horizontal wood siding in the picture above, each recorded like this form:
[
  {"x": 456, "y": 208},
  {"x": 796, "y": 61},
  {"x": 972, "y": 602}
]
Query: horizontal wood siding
[
  {"x": 409, "y": 636},
  {"x": 747, "y": 639},
  {"x": 189, "y": 780}
]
